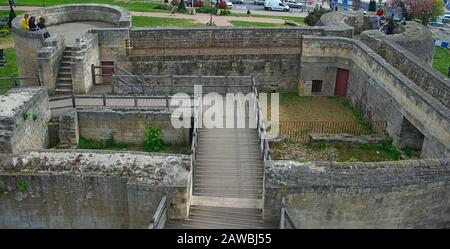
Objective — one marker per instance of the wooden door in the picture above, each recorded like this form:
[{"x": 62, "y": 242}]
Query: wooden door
[
  {"x": 341, "y": 82},
  {"x": 107, "y": 71}
]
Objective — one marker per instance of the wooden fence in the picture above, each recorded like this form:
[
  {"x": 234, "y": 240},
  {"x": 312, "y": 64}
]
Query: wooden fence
[{"x": 298, "y": 131}]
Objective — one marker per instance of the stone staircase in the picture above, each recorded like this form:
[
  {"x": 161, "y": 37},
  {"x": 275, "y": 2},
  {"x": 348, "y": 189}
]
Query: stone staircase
[
  {"x": 64, "y": 84},
  {"x": 227, "y": 181}
]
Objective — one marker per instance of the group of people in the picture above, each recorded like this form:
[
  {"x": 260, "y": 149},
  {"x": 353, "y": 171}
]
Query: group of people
[
  {"x": 29, "y": 23},
  {"x": 383, "y": 22}
]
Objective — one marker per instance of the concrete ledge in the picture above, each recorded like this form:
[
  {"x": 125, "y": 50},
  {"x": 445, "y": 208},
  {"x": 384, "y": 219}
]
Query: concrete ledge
[{"x": 347, "y": 139}]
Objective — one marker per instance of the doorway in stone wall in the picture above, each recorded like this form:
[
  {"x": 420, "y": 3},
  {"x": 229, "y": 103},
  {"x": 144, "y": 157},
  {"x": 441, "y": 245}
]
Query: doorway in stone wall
[
  {"x": 107, "y": 71},
  {"x": 411, "y": 139},
  {"x": 341, "y": 82}
]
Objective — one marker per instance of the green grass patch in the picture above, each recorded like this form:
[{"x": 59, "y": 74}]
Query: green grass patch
[
  {"x": 296, "y": 19},
  {"x": 9, "y": 70},
  {"x": 108, "y": 144},
  {"x": 441, "y": 60},
  {"x": 111, "y": 144},
  {"x": 255, "y": 24},
  {"x": 358, "y": 117},
  {"x": 368, "y": 153},
  {"x": 145, "y": 21},
  {"x": 134, "y": 5}
]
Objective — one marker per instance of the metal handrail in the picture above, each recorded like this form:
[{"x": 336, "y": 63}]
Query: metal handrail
[
  {"x": 15, "y": 80},
  {"x": 160, "y": 217},
  {"x": 285, "y": 215},
  {"x": 194, "y": 150}
]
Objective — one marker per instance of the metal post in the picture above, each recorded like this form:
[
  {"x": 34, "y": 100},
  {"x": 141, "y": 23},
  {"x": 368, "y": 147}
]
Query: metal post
[
  {"x": 73, "y": 101},
  {"x": 13, "y": 82},
  {"x": 167, "y": 101},
  {"x": 226, "y": 84},
  {"x": 104, "y": 99},
  {"x": 135, "y": 101},
  {"x": 93, "y": 74}
]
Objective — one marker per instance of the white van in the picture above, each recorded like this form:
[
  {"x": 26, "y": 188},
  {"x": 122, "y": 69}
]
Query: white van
[{"x": 275, "y": 5}]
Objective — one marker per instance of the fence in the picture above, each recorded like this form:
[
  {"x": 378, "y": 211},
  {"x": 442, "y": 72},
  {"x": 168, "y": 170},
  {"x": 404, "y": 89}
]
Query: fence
[
  {"x": 298, "y": 131},
  {"x": 77, "y": 101}
]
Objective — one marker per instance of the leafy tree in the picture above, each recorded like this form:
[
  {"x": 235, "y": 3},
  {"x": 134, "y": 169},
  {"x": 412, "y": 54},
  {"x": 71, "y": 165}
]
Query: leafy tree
[{"x": 420, "y": 9}]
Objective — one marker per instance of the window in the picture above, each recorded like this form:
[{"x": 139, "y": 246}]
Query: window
[{"x": 316, "y": 86}]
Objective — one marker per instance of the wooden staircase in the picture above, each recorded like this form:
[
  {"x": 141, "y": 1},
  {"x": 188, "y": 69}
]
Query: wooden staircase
[{"x": 64, "y": 84}]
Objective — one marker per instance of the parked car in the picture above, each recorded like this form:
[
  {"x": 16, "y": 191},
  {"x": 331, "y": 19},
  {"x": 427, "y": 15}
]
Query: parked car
[
  {"x": 275, "y": 5},
  {"x": 293, "y": 4},
  {"x": 259, "y": 2},
  {"x": 237, "y": 1}
]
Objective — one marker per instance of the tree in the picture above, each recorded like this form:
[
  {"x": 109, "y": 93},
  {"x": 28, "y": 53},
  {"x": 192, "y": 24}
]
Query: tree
[
  {"x": 372, "y": 5},
  {"x": 420, "y": 9},
  {"x": 182, "y": 6}
]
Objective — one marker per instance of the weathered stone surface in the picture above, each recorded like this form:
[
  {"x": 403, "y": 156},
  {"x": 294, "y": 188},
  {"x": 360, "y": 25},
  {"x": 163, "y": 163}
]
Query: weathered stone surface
[
  {"x": 403, "y": 194},
  {"x": 24, "y": 114},
  {"x": 347, "y": 139},
  {"x": 149, "y": 168}
]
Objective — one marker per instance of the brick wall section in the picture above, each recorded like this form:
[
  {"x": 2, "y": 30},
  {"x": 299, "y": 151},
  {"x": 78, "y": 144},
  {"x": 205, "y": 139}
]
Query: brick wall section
[
  {"x": 24, "y": 120},
  {"x": 421, "y": 73},
  {"x": 68, "y": 130},
  {"x": 403, "y": 194},
  {"x": 128, "y": 126}
]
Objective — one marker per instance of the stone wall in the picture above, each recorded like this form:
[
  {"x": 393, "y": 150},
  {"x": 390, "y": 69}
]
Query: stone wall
[
  {"x": 403, "y": 194},
  {"x": 49, "y": 59},
  {"x": 128, "y": 126},
  {"x": 85, "y": 53},
  {"x": 80, "y": 189},
  {"x": 24, "y": 116},
  {"x": 382, "y": 92},
  {"x": 421, "y": 73},
  {"x": 68, "y": 130}
]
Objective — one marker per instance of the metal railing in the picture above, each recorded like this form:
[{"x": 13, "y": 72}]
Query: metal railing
[
  {"x": 194, "y": 150},
  {"x": 285, "y": 216},
  {"x": 263, "y": 138},
  {"x": 160, "y": 217},
  {"x": 77, "y": 101},
  {"x": 16, "y": 81}
]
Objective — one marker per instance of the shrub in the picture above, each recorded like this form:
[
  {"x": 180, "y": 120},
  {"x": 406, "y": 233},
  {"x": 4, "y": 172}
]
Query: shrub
[
  {"x": 206, "y": 9},
  {"x": 222, "y": 5},
  {"x": 152, "y": 139},
  {"x": 25, "y": 115},
  {"x": 5, "y": 32},
  {"x": 314, "y": 16},
  {"x": 22, "y": 185},
  {"x": 224, "y": 12}
]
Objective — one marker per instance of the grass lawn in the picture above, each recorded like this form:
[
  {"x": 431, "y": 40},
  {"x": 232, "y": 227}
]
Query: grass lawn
[
  {"x": 298, "y": 20},
  {"x": 441, "y": 60},
  {"x": 145, "y": 21},
  {"x": 255, "y": 24},
  {"x": 10, "y": 70},
  {"x": 134, "y": 5},
  {"x": 299, "y": 108}
]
